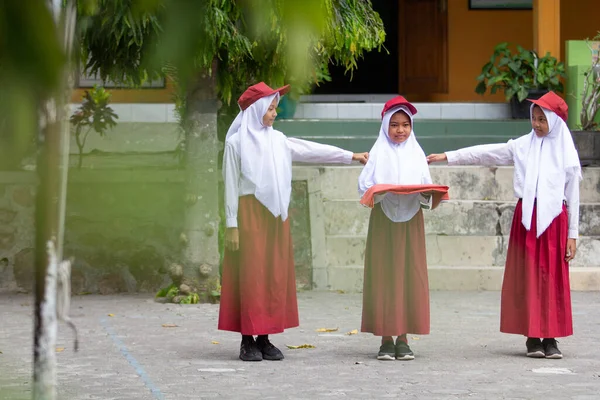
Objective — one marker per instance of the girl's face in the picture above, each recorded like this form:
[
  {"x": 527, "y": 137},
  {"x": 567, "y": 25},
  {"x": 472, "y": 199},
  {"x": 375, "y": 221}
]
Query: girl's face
[
  {"x": 539, "y": 123},
  {"x": 400, "y": 127},
  {"x": 271, "y": 113}
]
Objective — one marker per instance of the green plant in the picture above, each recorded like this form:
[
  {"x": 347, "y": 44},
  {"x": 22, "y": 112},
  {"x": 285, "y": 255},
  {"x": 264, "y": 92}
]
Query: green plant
[
  {"x": 590, "y": 97},
  {"x": 519, "y": 72},
  {"x": 94, "y": 113}
]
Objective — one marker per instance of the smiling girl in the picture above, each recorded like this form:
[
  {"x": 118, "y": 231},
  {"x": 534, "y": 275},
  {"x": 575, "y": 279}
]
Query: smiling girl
[
  {"x": 536, "y": 297},
  {"x": 396, "y": 288},
  {"x": 258, "y": 295}
]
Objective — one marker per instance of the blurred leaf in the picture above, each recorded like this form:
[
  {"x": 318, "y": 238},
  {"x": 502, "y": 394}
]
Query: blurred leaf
[
  {"x": 111, "y": 315},
  {"x": 302, "y": 346},
  {"x": 215, "y": 342},
  {"x": 169, "y": 326},
  {"x": 353, "y": 332},
  {"x": 327, "y": 329},
  {"x": 60, "y": 349}
]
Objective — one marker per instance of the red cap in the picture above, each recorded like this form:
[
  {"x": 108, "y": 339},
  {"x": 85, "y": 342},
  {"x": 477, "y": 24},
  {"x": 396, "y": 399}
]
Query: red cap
[
  {"x": 398, "y": 101},
  {"x": 553, "y": 102},
  {"x": 259, "y": 91}
]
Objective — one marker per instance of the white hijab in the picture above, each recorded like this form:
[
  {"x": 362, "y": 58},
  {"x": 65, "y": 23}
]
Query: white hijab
[
  {"x": 542, "y": 165},
  {"x": 397, "y": 164},
  {"x": 266, "y": 160}
]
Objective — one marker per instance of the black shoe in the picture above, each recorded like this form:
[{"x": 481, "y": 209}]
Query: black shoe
[
  {"x": 249, "y": 351},
  {"x": 403, "y": 351},
  {"x": 535, "y": 349},
  {"x": 551, "y": 349},
  {"x": 386, "y": 351},
  {"x": 269, "y": 352}
]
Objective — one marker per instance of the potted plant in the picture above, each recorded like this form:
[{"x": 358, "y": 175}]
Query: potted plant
[
  {"x": 587, "y": 135},
  {"x": 520, "y": 75}
]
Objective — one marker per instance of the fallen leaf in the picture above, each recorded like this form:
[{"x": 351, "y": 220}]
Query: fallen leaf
[
  {"x": 215, "y": 342},
  {"x": 60, "y": 349},
  {"x": 416, "y": 338},
  {"x": 353, "y": 332},
  {"x": 340, "y": 291},
  {"x": 327, "y": 329},
  {"x": 169, "y": 326},
  {"x": 302, "y": 346},
  {"x": 111, "y": 315}
]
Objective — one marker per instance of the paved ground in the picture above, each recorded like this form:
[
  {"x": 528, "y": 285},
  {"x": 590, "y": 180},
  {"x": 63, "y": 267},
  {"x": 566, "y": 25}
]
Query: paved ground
[{"x": 132, "y": 356}]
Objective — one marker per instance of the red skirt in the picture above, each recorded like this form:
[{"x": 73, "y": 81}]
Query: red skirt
[
  {"x": 396, "y": 287},
  {"x": 536, "y": 296},
  {"x": 258, "y": 292}
]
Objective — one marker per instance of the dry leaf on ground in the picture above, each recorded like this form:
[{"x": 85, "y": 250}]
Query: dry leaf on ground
[
  {"x": 111, "y": 315},
  {"x": 302, "y": 346},
  {"x": 215, "y": 342},
  {"x": 327, "y": 329},
  {"x": 353, "y": 332},
  {"x": 415, "y": 338},
  {"x": 169, "y": 326},
  {"x": 60, "y": 349}
]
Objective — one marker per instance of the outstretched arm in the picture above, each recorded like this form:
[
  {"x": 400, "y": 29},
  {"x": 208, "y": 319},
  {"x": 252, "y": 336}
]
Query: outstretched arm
[
  {"x": 487, "y": 154},
  {"x": 311, "y": 152}
]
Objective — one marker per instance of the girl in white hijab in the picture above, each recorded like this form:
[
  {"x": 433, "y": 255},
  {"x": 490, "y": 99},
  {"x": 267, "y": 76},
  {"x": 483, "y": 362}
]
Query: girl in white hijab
[
  {"x": 536, "y": 297},
  {"x": 396, "y": 288},
  {"x": 258, "y": 294}
]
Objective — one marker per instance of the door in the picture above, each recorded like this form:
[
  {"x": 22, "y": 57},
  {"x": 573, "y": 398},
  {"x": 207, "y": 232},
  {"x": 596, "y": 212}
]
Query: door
[{"x": 423, "y": 47}]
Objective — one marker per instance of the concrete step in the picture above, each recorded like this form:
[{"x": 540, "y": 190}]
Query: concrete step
[
  {"x": 350, "y": 278},
  {"x": 454, "y": 217},
  {"x": 467, "y": 251},
  {"x": 466, "y": 183}
]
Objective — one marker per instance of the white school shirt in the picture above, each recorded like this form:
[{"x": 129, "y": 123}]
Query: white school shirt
[
  {"x": 503, "y": 154},
  {"x": 237, "y": 185}
]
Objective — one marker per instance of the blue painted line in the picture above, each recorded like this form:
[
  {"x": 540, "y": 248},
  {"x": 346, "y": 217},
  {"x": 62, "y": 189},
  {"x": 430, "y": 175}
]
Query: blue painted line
[{"x": 132, "y": 361}]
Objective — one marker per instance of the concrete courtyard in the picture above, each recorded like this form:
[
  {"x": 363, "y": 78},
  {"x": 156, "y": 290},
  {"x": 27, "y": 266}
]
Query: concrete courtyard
[{"x": 127, "y": 354}]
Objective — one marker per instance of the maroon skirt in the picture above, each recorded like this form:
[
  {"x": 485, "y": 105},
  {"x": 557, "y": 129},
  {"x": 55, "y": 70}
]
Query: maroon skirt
[
  {"x": 396, "y": 287},
  {"x": 536, "y": 296},
  {"x": 258, "y": 293}
]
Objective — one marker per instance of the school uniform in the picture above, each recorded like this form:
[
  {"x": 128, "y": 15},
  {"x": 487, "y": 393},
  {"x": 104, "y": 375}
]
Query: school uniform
[
  {"x": 396, "y": 287},
  {"x": 536, "y": 300},
  {"x": 258, "y": 295}
]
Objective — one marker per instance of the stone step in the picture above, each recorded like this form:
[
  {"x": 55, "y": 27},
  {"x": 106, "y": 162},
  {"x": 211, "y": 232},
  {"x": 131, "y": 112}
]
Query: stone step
[
  {"x": 454, "y": 217},
  {"x": 466, "y": 182},
  {"x": 452, "y": 250},
  {"x": 350, "y": 278}
]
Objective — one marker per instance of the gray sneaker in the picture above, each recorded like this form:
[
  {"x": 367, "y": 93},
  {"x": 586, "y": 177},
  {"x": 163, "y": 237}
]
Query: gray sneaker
[
  {"x": 403, "y": 351},
  {"x": 535, "y": 349},
  {"x": 551, "y": 349},
  {"x": 387, "y": 351}
]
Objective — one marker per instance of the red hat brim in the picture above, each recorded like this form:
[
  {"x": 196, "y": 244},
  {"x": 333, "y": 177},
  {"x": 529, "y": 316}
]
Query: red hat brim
[
  {"x": 553, "y": 102},
  {"x": 258, "y": 91},
  {"x": 398, "y": 101}
]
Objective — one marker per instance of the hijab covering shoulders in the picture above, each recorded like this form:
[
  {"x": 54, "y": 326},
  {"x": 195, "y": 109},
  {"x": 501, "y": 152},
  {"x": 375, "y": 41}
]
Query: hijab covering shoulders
[
  {"x": 397, "y": 164},
  {"x": 542, "y": 164},
  {"x": 265, "y": 157}
]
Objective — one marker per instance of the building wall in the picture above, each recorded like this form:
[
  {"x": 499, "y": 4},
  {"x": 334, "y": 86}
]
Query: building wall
[
  {"x": 472, "y": 36},
  {"x": 578, "y": 20}
]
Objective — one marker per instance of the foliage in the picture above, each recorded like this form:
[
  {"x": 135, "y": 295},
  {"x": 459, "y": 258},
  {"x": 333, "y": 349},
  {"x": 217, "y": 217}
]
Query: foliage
[
  {"x": 172, "y": 293},
  {"x": 275, "y": 41},
  {"x": 94, "y": 113},
  {"x": 591, "y": 90},
  {"x": 518, "y": 73}
]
